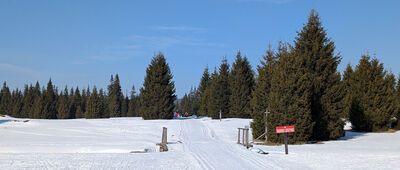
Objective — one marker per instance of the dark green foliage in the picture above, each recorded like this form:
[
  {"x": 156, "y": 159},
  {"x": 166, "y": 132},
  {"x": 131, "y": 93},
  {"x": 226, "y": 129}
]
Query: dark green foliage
[
  {"x": 6, "y": 101},
  {"x": 157, "y": 95},
  {"x": 189, "y": 104},
  {"x": 219, "y": 92},
  {"x": 49, "y": 102},
  {"x": 316, "y": 52},
  {"x": 349, "y": 94},
  {"x": 84, "y": 98},
  {"x": 333, "y": 106},
  {"x": 289, "y": 101},
  {"x": 94, "y": 106},
  {"x": 371, "y": 98},
  {"x": 132, "y": 109},
  {"x": 397, "y": 113},
  {"x": 115, "y": 97},
  {"x": 204, "y": 83},
  {"x": 16, "y": 103},
  {"x": 76, "y": 104},
  {"x": 125, "y": 107},
  {"x": 28, "y": 100},
  {"x": 102, "y": 113},
  {"x": 63, "y": 106},
  {"x": 212, "y": 107},
  {"x": 241, "y": 84},
  {"x": 38, "y": 102},
  {"x": 260, "y": 95}
]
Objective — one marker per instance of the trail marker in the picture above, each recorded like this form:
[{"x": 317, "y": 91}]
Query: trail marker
[{"x": 285, "y": 130}]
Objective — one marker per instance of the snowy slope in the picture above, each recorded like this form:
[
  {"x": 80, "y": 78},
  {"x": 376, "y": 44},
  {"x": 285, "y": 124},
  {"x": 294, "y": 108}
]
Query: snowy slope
[{"x": 194, "y": 144}]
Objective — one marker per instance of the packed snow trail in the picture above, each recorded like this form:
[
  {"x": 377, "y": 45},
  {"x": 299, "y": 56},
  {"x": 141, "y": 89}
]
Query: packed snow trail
[{"x": 203, "y": 144}]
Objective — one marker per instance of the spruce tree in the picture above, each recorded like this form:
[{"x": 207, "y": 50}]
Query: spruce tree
[
  {"x": 204, "y": 83},
  {"x": 93, "y": 106},
  {"x": 184, "y": 105},
  {"x": 102, "y": 99},
  {"x": 212, "y": 106},
  {"x": 49, "y": 102},
  {"x": 63, "y": 106},
  {"x": 259, "y": 101},
  {"x": 319, "y": 62},
  {"x": 219, "y": 92},
  {"x": 16, "y": 103},
  {"x": 157, "y": 96},
  {"x": 241, "y": 83},
  {"x": 76, "y": 104},
  {"x": 28, "y": 100},
  {"x": 190, "y": 103},
  {"x": 6, "y": 101},
  {"x": 372, "y": 103},
  {"x": 84, "y": 97},
  {"x": 36, "y": 94},
  {"x": 115, "y": 97},
  {"x": 349, "y": 93},
  {"x": 37, "y": 107},
  {"x": 289, "y": 101},
  {"x": 125, "y": 106},
  {"x": 132, "y": 109}
]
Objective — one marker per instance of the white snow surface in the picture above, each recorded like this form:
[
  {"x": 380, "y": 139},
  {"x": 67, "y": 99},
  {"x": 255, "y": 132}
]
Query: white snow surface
[{"x": 193, "y": 143}]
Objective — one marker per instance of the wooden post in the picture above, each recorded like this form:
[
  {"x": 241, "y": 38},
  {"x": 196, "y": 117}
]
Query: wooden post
[
  {"x": 266, "y": 131},
  {"x": 243, "y": 136},
  {"x": 247, "y": 138},
  {"x": 286, "y": 143},
  {"x": 238, "y": 136},
  {"x": 266, "y": 124},
  {"x": 164, "y": 136},
  {"x": 220, "y": 115},
  {"x": 163, "y": 144}
]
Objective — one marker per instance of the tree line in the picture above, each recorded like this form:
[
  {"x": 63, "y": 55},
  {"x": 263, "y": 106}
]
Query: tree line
[
  {"x": 299, "y": 84},
  {"x": 51, "y": 103}
]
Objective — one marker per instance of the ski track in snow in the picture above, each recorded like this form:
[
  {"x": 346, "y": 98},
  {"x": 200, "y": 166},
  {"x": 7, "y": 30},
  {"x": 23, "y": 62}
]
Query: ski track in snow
[{"x": 211, "y": 153}]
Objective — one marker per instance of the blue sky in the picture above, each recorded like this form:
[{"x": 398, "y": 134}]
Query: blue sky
[{"x": 81, "y": 43}]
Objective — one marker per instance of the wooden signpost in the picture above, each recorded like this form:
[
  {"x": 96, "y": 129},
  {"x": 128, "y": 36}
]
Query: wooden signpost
[{"x": 285, "y": 130}]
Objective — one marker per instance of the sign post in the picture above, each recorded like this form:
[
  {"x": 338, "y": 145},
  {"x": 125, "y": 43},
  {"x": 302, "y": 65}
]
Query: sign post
[{"x": 285, "y": 130}]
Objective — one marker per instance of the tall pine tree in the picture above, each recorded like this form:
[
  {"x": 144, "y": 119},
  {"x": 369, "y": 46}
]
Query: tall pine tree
[
  {"x": 63, "y": 105},
  {"x": 289, "y": 101},
  {"x": 219, "y": 92},
  {"x": 241, "y": 83},
  {"x": 93, "y": 106},
  {"x": 6, "y": 101},
  {"x": 157, "y": 96},
  {"x": 132, "y": 108},
  {"x": 316, "y": 52},
  {"x": 16, "y": 103},
  {"x": 49, "y": 100},
  {"x": 204, "y": 83},
  {"x": 372, "y": 101},
  {"x": 115, "y": 97}
]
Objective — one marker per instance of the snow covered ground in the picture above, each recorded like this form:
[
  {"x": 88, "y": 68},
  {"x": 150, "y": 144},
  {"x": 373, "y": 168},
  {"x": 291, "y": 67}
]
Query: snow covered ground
[{"x": 193, "y": 144}]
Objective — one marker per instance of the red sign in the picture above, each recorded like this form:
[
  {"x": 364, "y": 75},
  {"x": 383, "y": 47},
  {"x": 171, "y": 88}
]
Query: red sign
[{"x": 284, "y": 129}]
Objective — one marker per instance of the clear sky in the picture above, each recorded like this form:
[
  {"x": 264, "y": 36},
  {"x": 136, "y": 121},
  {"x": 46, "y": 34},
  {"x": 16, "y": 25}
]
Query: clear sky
[{"x": 81, "y": 42}]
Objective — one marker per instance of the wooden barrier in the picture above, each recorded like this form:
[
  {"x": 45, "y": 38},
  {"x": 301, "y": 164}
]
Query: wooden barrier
[{"x": 245, "y": 137}]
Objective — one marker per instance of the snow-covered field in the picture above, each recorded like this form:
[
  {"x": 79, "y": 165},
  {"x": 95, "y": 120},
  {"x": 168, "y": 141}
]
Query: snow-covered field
[{"x": 193, "y": 144}]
